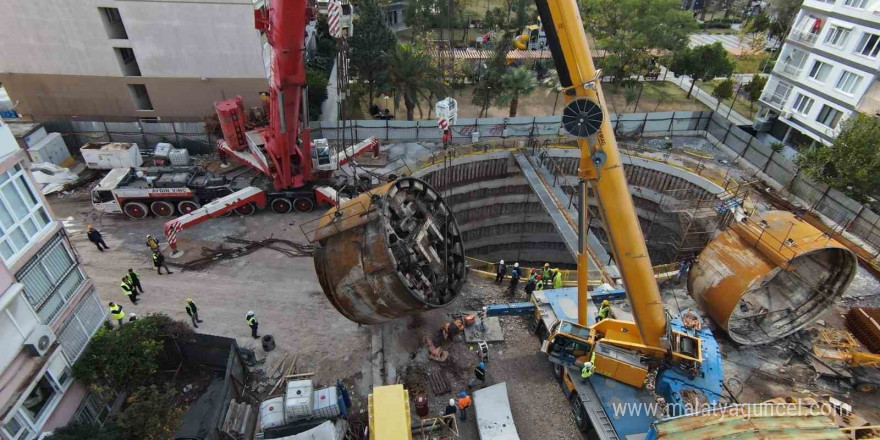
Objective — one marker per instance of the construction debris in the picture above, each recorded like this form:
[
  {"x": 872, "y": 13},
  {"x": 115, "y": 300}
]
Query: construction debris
[
  {"x": 240, "y": 420},
  {"x": 210, "y": 256},
  {"x": 438, "y": 382},
  {"x": 864, "y": 323}
]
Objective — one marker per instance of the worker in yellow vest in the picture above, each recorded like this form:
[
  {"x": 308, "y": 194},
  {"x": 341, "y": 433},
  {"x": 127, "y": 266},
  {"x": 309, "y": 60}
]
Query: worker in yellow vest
[
  {"x": 557, "y": 279},
  {"x": 547, "y": 273},
  {"x": 539, "y": 284},
  {"x": 252, "y": 323},
  {"x": 604, "y": 310},
  {"x": 129, "y": 290},
  {"x": 116, "y": 312},
  {"x": 589, "y": 367}
]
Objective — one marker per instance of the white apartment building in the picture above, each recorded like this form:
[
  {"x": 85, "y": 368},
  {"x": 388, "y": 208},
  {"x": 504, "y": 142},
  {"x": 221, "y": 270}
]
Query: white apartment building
[
  {"x": 827, "y": 70},
  {"x": 48, "y": 309},
  {"x": 131, "y": 58}
]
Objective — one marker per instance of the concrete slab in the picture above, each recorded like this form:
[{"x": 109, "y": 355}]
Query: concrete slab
[
  {"x": 494, "y": 419},
  {"x": 493, "y": 331}
]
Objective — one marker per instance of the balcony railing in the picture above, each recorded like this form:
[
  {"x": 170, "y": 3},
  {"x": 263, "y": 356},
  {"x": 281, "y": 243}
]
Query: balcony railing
[
  {"x": 804, "y": 36},
  {"x": 789, "y": 69},
  {"x": 777, "y": 99}
]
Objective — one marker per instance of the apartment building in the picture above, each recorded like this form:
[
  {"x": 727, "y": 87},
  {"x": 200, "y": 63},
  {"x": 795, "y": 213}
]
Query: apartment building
[
  {"x": 131, "y": 58},
  {"x": 827, "y": 69},
  {"x": 48, "y": 309}
]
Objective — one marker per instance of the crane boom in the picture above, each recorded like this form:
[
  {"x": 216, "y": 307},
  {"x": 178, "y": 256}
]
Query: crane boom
[{"x": 601, "y": 166}]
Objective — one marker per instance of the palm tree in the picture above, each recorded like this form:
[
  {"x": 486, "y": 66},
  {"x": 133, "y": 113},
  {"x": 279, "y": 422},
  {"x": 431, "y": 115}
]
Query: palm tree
[
  {"x": 516, "y": 82},
  {"x": 412, "y": 75}
]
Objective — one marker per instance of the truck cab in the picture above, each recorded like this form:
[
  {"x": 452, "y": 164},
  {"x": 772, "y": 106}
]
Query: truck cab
[
  {"x": 103, "y": 197},
  {"x": 568, "y": 342}
]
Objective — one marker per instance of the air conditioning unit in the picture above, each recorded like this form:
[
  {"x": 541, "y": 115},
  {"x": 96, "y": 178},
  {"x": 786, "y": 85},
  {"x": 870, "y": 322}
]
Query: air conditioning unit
[{"x": 39, "y": 341}]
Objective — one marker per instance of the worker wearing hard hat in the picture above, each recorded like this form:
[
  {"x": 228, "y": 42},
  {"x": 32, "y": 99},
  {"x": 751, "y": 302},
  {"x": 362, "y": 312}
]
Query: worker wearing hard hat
[
  {"x": 604, "y": 310},
  {"x": 464, "y": 401},
  {"x": 500, "y": 271},
  {"x": 450, "y": 410},
  {"x": 539, "y": 282},
  {"x": 547, "y": 273},
  {"x": 116, "y": 312},
  {"x": 479, "y": 375},
  {"x": 252, "y": 323},
  {"x": 193, "y": 312},
  {"x": 557, "y": 278},
  {"x": 589, "y": 367}
]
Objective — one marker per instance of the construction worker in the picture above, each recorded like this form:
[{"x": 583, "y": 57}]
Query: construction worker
[
  {"x": 152, "y": 243},
  {"x": 134, "y": 280},
  {"x": 589, "y": 367},
  {"x": 193, "y": 312},
  {"x": 95, "y": 237},
  {"x": 133, "y": 317},
  {"x": 159, "y": 262},
  {"x": 531, "y": 285},
  {"x": 128, "y": 290},
  {"x": 116, "y": 312},
  {"x": 500, "y": 272},
  {"x": 252, "y": 322},
  {"x": 464, "y": 401},
  {"x": 557, "y": 279},
  {"x": 450, "y": 410},
  {"x": 547, "y": 273},
  {"x": 479, "y": 375},
  {"x": 539, "y": 284},
  {"x": 604, "y": 310},
  {"x": 514, "y": 279}
]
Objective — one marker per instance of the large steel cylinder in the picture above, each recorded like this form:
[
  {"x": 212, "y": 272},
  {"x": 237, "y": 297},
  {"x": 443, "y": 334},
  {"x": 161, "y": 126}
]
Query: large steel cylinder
[
  {"x": 392, "y": 252},
  {"x": 768, "y": 276}
]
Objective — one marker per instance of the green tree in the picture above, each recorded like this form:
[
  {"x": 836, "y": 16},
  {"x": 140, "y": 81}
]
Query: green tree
[
  {"x": 488, "y": 84},
  {"x": 371, "y": 40},
  {"x": 522, "y": 13},
  {"x": 317, "y": 83},
  {"x": 411, "y": 75},
  {"x": 423, "y": 15},
  {"x": 759, "y": 23},
  {"x": 152, "y": 413},
  {"x": 754, "y": 88},
  {"x": 123, "y": 359},
  {"x": 629, "y": 31},
  {"x": 89, "y": 431},
  {"x": 702, "y": 63},
  {"x": 515, "y": 83},
  {"x": 723, "y": 91},
  {"x": 494, "y": 18},
  {"x": 784, "y": 13},
  {"x": 852, "y": 163}
]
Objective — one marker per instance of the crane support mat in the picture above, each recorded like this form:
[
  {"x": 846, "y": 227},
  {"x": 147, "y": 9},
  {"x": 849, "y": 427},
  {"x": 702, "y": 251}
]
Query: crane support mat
[
  {"x": 494, "y": 419},
  {"x": 493, "y": 333}
]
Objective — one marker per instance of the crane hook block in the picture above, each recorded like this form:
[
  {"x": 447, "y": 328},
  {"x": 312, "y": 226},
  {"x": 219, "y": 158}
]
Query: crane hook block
[{"x": 582, "y": 117}]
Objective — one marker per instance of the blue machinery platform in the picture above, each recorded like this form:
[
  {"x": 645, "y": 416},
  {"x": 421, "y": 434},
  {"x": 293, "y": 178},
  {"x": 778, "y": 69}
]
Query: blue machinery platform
[{"x": 617, "y": 410}]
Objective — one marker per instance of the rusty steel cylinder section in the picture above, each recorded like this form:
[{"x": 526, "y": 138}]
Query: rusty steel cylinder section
[
  {"x": 768, "y": 276},
  {"x": 392, "y": 252}
]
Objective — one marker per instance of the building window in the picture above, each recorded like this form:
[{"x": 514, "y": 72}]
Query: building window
[
  {"x": 848, "y": 82},
  {"x": 113, "y": 23},
  {"x": 94, "y": 409},
  {"x": 17, "y": 429},
  {"x": 22, "y": 216},
  {"x": 140, "y": 97},
  {"x": 50, "y": 279},
  {"x": 802, "y": 104},
  {"x": 820, "y": 71},
  {"x": 41, "y": 398},
  {"x": 127, "y": 62},
  {"x": 860, "y": 4},
  {"x": 869, "y": 45},
  {"x": 829, "y": 116},
  {"x": 837, "y": 36},
  {"x": 83, "y": 323}
]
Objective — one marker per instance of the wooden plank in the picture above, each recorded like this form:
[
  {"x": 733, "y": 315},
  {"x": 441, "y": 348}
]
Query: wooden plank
[
  {"x": 300, "y": 375},
  {"x": 277, "y": 364},
  {"x": 438, "y": 383}
]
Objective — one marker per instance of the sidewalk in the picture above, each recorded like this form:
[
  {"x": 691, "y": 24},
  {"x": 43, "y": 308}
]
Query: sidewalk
[
  {"x": 685, "y": 83},
  {"x": 328, "y": 107}
]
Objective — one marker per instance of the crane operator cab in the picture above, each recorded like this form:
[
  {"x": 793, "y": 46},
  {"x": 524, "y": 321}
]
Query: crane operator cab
[
  {"x": 568, "y": 344},
  {"x": 322, "y": 159}
]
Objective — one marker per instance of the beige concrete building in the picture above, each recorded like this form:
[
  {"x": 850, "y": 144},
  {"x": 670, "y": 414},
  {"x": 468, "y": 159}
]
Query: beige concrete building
[
  {"x": 141, "y": 58},
  {"x": 48, "y": 309}
]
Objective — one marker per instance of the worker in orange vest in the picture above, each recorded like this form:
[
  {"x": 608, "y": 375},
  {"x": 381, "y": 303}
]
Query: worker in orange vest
[{"x": 464, "y": 401}]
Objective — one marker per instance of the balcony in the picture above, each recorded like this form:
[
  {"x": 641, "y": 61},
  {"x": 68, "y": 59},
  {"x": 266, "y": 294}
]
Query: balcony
[
  {"x": 776, "y": 100},
  {"x": 791, "y": 70},
  {"x": 805, "y": 37}
]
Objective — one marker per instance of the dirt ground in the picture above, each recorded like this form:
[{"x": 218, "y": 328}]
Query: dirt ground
[{"x": 283, "y": 292}]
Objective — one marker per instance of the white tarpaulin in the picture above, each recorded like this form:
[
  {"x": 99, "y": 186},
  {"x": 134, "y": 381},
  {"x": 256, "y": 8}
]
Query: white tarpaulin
[
  {"x": 324, "y": 431},
  {"x": 52, "y": 177}
]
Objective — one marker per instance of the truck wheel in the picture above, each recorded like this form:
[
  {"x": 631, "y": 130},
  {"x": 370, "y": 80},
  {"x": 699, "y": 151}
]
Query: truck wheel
[
  {"x": 581, "y": 419},
  {"x": 245, "y": 210},
  {"x": 558, "y": 372},
  {"x": 303, "y": 204},
  {"x": 136, "y": 210},
  {"x": 542, "y": 332},
  {"x": 866, "y": 387},
  {"x": 282, "y": 205},
  {"x": 187, "y": 206},
  {"x": 162, "y": 209}
]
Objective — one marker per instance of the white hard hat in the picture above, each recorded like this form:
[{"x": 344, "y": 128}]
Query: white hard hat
[
  {"x": 451, "y": 402},
  {"x": 251, "y": 312},
  {"x": 515, "y": 264},
  {"x": 588, "y": 365},
  {"x": 501, "y": 262}
]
